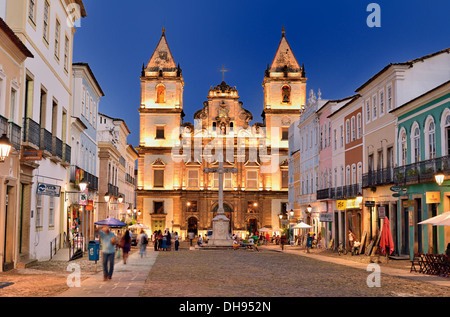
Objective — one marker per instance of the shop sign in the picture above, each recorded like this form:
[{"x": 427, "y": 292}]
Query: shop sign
[
  {"x": 353, "y": 204},
  {"x": 326, "y": 217},
  {"x": 48, "y": 189},
  {"x": 410, "y": 218},
  {"x": 83, "y": 197},
  {"x": 31, "y": 155},
  {"x": 369, "y": 203},
  {"x": 90, "y": 205},
  {"x": 382, "y": 212},
  {"x": 408, "y": 203},
  {"x": 396, "y": 188},
  {"x": 341, "y": 204},
  {"x": 433, "y": 197}
]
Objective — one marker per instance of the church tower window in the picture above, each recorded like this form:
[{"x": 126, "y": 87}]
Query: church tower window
[
  {"x": 286, "y": 94},
  {"x": 160, "y": 94}
]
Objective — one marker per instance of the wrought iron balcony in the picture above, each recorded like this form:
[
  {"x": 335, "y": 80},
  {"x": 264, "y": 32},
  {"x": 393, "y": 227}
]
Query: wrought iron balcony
[
  {"x": 31, "y": 132},
  {"x": 57, "y": 148},
  {"x": 67, "y": 152},
  {"x": 421, "y": 172},
  {"x": 113, "y": 190},
  {"x": 15, "y": 135},
  {"x": 46, "y": 140},
  {"x": 90, "y": 179},
  {"x": 3, "y": 126},
  {"x": 379, "y": 177},
  {"x": 340, "y": 192}
]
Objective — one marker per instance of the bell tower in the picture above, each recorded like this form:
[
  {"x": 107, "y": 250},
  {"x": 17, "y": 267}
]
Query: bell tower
[
  {"x": 161, "y": 109},
  {"x": 284, "y": 88}
]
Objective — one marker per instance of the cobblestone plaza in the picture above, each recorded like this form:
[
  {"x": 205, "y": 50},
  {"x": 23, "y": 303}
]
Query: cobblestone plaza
[{"x": 227, "y": 274}]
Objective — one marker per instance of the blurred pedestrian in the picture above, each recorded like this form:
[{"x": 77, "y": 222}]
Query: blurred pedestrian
[
  {"x": 109, "y": 241},
  {"x": 125, "y": 244},
  {"x": 169, "y": 241},
  {"x": 164, "y": 241},
  {"x": 177, "y": 243},
  {"x": 142, "y": 242}
]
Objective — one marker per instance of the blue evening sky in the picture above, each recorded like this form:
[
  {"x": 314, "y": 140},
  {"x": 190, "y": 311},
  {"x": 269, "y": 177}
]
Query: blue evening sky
[{"x": 339, "y": 51}]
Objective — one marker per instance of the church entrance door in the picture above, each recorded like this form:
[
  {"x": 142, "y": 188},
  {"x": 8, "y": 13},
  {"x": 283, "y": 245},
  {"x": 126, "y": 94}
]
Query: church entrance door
[
  {"x": 252, "y": 225},
  {"x": 192, "y": 225}
]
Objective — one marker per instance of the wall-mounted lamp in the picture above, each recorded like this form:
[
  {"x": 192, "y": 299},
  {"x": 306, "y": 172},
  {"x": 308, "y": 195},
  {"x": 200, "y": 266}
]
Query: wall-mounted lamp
[{"x": 5, "y": 147}]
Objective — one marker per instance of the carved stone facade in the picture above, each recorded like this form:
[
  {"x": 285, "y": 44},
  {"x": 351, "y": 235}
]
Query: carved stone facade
[{"x": 173, "y": 191}]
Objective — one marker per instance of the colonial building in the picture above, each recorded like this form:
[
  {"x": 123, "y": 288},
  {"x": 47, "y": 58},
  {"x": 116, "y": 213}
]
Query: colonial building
[
  {"x": 12, "y": 57},
  {"x": 173, "y": 191},
  {"x": 394, "y": 85},
  {"x": 86, "y": 94},
  {"x": 422, "y": 141},
  {"x": 46, "y": 29},
  {"x": 116, "y": 164}
]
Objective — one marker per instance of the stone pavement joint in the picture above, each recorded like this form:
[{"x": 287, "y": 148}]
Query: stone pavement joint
[
  {"x": 127, "y": 280},
  {"x": 437, "y": 280}
]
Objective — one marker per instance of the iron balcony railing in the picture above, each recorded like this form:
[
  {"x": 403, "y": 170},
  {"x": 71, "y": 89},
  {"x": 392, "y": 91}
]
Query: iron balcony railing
[
  {"x": 91, "y": 180},
  {"x": 3, "y": 126},
  {"x": 379, "y": 177},
  {"x": 57, "y": 147},
  {"x": 113, "y": 190},
  {"x": 421, "y": 172},
  {"x": 15, "y": 135},
  {"x": 46, "y": 140},
  {"x": 31, "y": 132},
  {"x": 129, "y": 178},
  {"x": 67, "y": 152},
  {"x": 340, "y": 192}
]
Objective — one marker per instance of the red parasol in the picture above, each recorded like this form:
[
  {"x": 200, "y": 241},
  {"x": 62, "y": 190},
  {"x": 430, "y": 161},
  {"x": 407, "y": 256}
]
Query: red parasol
[{"x": 386, "y": 241}]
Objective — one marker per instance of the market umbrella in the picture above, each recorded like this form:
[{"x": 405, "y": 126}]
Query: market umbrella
[
  {"x": 436, "y": 219},
  {"x": 265, "y": 229},
  {"x": 112, "y": 222},
  {"x": 444, "y": 222},
  {"x": 301, "y": 225},
  {"x": 386, "y": 240}
]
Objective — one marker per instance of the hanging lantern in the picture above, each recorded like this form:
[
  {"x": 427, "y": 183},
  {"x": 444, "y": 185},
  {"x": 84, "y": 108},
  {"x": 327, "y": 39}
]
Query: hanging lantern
[{"x": 5, "y": 147}]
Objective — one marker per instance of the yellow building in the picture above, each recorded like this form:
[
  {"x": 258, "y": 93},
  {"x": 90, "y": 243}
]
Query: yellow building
[{"x": 172, "y": 190}]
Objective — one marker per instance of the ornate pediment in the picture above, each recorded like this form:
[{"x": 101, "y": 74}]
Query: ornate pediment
[{"x": 158, "y": 163}]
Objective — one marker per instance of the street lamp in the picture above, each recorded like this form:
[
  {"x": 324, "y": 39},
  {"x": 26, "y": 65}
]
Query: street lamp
[
  {"x": 120, "y": 199},
  {"x": 359, "y": 198},
  {"x": 107, "y": 199},
  {"x": 5, "y": 147},
  {"x": 83, "y": 186},
  {"x": 309, "y": 208},
  {"x": 439, "y": 177}
]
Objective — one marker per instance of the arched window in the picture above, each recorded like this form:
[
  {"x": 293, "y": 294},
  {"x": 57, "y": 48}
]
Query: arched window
[
  {"x": 160, "y": 94},
  {"x": 430, "y": 139},
  {"x": 445, "y": 132},
  {"x": 416, "y": 144},
  {"x": 403, "y": 149},
  {"x": 286, "y": 94}
]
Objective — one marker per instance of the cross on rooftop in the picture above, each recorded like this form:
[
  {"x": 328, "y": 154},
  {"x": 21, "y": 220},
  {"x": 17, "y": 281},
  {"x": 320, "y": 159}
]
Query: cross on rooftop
[{"x": 223, "y": 70}]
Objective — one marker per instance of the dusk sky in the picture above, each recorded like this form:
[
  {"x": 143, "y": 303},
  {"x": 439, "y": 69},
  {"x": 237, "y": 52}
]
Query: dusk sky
[{"x": 331, "y": 38}]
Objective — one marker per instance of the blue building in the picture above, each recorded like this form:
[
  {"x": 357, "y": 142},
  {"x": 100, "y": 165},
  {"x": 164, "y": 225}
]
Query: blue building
[{"x": 84, "y": 169}]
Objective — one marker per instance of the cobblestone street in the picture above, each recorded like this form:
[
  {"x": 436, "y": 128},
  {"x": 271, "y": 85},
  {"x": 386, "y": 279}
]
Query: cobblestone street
[{"x": 241, "y": 273}]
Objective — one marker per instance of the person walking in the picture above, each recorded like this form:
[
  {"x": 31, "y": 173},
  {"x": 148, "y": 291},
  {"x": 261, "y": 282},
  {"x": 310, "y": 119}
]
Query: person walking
[
  {"x": 125, "y": 244},
  {"x": 164, "y": 241},
  {"x": 155, "y": 240},
  {"x": 142, "y": 243},
  {"x": 351, "y": 238},
  {"x": 177, "y": 243},
  {"x": 169, "y": 241},
  {"x": 160, "y": 239},
  {"x": 109, "y": 241}
]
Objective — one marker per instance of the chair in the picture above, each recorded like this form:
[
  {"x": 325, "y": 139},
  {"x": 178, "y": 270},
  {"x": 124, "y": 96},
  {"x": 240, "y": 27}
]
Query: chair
[{"x": 416, "y": 261}]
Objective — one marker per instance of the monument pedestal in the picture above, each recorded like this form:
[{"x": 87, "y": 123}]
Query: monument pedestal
[{"x": 221, "y": 229}]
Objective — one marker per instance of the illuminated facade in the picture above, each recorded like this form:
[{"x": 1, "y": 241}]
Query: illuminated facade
[{"x": 172, "y": 190}]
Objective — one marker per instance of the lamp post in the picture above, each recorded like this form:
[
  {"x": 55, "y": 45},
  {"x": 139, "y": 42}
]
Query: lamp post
[{"x": 291, "y": 216}]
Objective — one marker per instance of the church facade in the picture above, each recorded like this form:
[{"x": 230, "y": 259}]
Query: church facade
[{"x": 173, "y": 190}]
